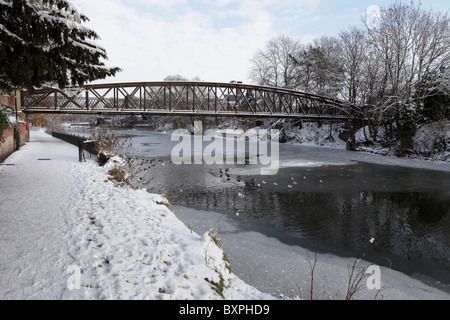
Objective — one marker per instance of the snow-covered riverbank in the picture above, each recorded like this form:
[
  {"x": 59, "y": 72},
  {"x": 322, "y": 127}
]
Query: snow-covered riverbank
[
  {"x": 67, "y": 232},
  {"x": 430, "y": 143}
]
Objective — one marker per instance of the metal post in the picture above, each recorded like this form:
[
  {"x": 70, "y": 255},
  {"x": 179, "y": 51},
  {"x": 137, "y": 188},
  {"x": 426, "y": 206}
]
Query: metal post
[
  {"x": 15, "y": 104},
  {"x": 170, "y": 98},
  {"x": 87, "y": 99},
  {"x": 80, "y": 151}
]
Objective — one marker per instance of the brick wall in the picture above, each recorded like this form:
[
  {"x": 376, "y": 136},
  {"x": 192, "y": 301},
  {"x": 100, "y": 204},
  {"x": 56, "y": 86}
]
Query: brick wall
[
  {"x": 8, "y": 100},
  {"x": 8, "y": 143}
]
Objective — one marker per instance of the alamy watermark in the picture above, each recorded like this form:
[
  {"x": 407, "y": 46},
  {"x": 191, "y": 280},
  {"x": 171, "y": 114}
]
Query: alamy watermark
[
  {"x": 374, "y": 280},
  {"x": 254, "y": 146}
]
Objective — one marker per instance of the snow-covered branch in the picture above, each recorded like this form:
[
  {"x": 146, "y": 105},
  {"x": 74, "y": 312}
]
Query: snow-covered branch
[
  {"x": 63, "y": 49},
  {"x": 4, "y": 30},
  {"x": 91, "y": 47}
]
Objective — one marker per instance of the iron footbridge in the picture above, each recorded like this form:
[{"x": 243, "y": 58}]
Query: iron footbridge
[{"x": 187, "y": 99}]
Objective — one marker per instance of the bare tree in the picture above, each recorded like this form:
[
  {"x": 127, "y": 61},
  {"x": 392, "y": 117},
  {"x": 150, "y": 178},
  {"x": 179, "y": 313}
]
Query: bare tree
[
  {"x": 352, "y": 53},
  {"x": 364, "y": 77},
  {"x": 327, "y": 71},
  {"x": 395, "y": 67},
  {"x": 413, "y": 46},
  {"x": 273, "y": 66},
  {"x": 175, "y": 78},
  {"x": 318, "y": 68}
]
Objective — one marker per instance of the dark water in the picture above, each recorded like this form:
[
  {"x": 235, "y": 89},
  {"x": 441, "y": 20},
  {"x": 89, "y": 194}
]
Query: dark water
[{"x": 329, "y": 202}]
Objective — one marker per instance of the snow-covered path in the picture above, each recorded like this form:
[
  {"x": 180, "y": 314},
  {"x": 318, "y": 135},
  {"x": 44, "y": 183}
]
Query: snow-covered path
[
  {"x": 67, "y": 232},
  {"x": 34, "y": 230}
]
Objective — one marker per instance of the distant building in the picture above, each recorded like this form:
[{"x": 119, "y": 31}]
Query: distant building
[{"x": 233, "y": 101}]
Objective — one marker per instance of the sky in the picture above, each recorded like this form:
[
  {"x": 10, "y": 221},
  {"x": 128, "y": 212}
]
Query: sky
[{"x": 211, "y": 40}]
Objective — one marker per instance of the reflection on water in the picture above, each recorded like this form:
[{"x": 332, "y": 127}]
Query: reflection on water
[{"x": 339, "y": 207}]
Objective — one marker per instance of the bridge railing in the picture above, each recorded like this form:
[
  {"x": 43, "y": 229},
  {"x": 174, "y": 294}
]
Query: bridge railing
[{"x": 185, "y": 98}]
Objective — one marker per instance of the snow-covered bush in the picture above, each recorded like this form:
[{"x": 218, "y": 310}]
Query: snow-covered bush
[
  {"x": 117, "y": 169},
  {"x": 109, "y": 144},
  {"x": 433, "y": 140}
]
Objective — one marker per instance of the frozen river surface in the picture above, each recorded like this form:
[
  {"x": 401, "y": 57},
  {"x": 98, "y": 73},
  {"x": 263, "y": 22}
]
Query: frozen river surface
[{"x": 325, "y": 201}]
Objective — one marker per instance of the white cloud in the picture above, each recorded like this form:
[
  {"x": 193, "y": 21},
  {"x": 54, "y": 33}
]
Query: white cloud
[
  {"x": 309, "y": 38},
  {"x": 212, "y": 40},
  {"x": 162, "y": 2},
  {"x": 219, "y": 3},
  {"x": 372, "y": 15}
]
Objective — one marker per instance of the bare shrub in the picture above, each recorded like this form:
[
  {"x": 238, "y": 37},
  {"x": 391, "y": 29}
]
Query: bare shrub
[{"x": 109, "y": 144}]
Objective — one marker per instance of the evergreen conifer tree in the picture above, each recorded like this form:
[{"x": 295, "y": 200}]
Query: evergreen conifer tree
[{"x": 44, "y": 43}]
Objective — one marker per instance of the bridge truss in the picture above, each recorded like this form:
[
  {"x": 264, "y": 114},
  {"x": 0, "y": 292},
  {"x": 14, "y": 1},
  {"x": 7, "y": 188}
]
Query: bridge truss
[{"x": 186, "y": 99}]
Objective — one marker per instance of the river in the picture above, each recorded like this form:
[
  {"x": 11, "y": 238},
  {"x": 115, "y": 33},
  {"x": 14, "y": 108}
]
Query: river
[{"x": 326, "y": 200}]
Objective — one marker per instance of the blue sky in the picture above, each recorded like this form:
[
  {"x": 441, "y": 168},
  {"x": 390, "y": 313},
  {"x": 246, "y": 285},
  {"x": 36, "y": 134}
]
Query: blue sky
[{"x": 212, "y": 40}]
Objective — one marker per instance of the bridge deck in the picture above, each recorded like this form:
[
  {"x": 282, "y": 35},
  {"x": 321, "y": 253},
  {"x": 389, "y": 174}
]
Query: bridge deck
[{"x": 186, "y": 99}]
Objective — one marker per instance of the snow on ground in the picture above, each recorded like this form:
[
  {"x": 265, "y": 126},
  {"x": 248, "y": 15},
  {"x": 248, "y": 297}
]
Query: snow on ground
[
  {"x": 311, "y": 134},
  {"x": 67, "y": 232},
  {"x": 431, "y": 141},
  {"x": 272, "y": 263}
]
